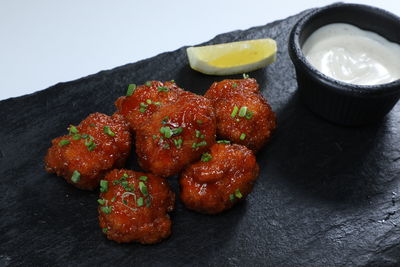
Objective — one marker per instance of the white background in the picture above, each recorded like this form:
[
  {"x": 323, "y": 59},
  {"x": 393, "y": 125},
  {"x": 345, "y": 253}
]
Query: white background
[{"x": 44, "y": 42}]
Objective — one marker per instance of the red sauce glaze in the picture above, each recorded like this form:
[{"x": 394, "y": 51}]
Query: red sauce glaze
[
  {"x": 109, "y": 152},
  {"x": 214, "y": 186},
  {"x": 130, "y": 106},
  {"x": 260, "y": 120},
  {"x": 123, "y": 219},
  {"x": 165, "y": 156}
]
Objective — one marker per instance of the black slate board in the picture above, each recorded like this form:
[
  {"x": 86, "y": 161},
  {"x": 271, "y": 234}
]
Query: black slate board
[{"x": 327, "y": 195}]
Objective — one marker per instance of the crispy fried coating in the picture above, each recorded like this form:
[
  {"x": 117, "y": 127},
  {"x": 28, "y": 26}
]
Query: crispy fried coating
[
  {"x": 134, "y": 206},
  {"x": 243, "y": 115},
  {"x": 98, "y": 144},
  {"x": 176, "y": 135},
  {"x": 221, "y": 179},
  {"x": 146, "y": 100}
]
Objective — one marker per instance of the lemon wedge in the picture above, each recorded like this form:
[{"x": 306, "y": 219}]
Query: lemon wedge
[{"x": 232, "y": 58}]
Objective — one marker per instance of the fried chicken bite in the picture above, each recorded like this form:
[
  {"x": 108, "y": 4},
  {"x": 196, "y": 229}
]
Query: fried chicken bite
[
  {"x": 145, "y": 100},
  {"x": 243, "y": 115},
  {"x": 97, "y": 145},
  {"x": 176, "y": 135},
  {"x": 134, "y": 206},
  {"x": 222, "y": 178}
]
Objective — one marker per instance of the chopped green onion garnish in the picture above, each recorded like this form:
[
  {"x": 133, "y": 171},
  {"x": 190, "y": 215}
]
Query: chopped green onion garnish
[
  {"x": 166, "y": 131},
  {"x": 106, "y": 209},
  {"x": 143, "y": 188},
  {"x": 148, "y": 101},
  {"x": 129, "y": 187},
  {"x": 139, "y": 202},
  {"x": 76, "y": 137},
  {"x": 131, "y": 89},
  {"x": 72, "y": 129},
  {"x": 234, "y": 85},
  {"x": 238, "y": 194},
  {"x": 148, "y": 202},
  {"x": 101, "y": 201},
  {"x": 198, "y": 133},
  {"x": 113, "y": 199},
  {"x": 123, "y": 178},
  {"x": 234, "y": 111},
  {"x": 231, "y": 197},
  {"x": 242, "y": 136},
  {"x": 142, "y": 109},
  {"x": 103, "y": 186},
  {"x": 172, "y": 81},
  {"x": 165, "y": 119},
  {"x": 92, "y": 125},
  {"x": 105, "y": 230},
  {"x": 199, "y": 121},
  {"x": 242, "y": 111},
  {"x": 249, "y": 115},
  {"x": 143, "y": 105},
  {"x": 162, "y": 89},
  {"x": 178, "y": 142},
  {"x": 125, "y": 202},
  {"x": 202, "y": 143},
  {"x": 143, "y": 178},
  {"x": 223, "y": 142},
  {"x": 108, "y": 131},
  {"x": 177, "y": 131},
  {"x": 148, "y": 83},
  {"x": 64, "y": 142},
  {"x": 84, "y": 136},
  {"x": 157, "y": 103},
  {"x": 90, "y": 145},
  {"x": 89, "y": 142},
  {"x": 76, "y": 176},
  {"x": 245, "y": 76},
  {"x": 154, "y": 137},
  {"x": 206, "y": 157}
]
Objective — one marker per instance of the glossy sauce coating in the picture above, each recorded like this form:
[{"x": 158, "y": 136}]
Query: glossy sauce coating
[
  {"x": 145, "y": 101},
  {"x": 90, "y": 151},
  {"x": 230, "y": 99},
  {"x": 216, "y": 185},
  {"x": 130, "y": 213},
  {"x": 191, "y": 119}
]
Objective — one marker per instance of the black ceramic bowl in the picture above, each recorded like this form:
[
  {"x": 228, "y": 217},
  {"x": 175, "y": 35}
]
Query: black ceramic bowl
[{"x": 337, "y": 101}]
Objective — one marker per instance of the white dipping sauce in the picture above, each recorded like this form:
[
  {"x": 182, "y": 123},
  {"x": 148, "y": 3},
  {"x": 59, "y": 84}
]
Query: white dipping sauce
[{"x": 348, "y": 54}]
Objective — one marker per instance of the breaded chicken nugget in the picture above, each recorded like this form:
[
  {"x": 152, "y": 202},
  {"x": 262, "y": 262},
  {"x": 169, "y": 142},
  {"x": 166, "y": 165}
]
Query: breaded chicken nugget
[
  {"x": 143, "y": 101},
  {"x": 243, "y": 115},
  {"x": 134, "y": 206},
  {"x": 221, "y": 179},
  {"x": 91, "y": 149},
  {"x": 176, "y": 135}
]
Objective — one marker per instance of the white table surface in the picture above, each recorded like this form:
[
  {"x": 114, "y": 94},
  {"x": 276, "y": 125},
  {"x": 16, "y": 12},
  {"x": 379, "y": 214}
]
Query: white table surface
[{"x": 44, "y": 42}]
